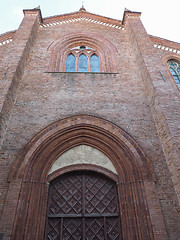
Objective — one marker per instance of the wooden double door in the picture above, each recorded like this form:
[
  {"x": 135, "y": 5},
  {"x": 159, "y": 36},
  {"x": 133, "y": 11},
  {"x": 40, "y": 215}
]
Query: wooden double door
[{"x": 83, "y": 206}]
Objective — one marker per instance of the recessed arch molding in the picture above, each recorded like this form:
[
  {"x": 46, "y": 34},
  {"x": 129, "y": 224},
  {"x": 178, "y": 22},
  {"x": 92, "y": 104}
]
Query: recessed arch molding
[
  {"x": 60, "y": 48},
  {"x": 136, "y": 190}
]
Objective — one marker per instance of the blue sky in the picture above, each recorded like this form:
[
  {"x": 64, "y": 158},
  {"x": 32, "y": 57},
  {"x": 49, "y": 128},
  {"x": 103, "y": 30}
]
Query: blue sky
[{"x": 161, "y": 18}]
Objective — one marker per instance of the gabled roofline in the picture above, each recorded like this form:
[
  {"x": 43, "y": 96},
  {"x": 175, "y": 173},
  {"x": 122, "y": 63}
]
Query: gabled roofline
[
  {"x": 4, "y": 36},
  {"x": 80, "y": 13},
  {"x": 157, "y": 40},
  {"x": 169, "y": 43}
]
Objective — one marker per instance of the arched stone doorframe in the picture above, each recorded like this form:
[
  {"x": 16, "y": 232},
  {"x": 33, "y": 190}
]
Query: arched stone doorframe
[{"x": 29, "y": 177}]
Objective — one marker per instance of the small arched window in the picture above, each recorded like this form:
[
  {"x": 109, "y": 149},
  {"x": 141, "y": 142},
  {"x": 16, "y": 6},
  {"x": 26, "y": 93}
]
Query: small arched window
[
  {"x": 82, "y": 65},
  {"x": 94, "y": 62},
  {"x": 70, "y": 63},
  {"x": 175, "y": 70}
]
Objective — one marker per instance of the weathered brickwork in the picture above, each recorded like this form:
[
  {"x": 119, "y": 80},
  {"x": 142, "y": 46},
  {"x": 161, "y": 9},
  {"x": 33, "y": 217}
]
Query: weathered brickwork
[{"x": 131, "y": 94}]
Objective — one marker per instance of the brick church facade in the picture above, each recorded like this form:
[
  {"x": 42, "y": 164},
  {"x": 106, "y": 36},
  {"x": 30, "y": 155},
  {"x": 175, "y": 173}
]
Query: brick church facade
[{"x": 89, "y": 130}]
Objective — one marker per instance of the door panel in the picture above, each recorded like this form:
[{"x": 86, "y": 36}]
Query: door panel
[{"x": 83, "y": 205}]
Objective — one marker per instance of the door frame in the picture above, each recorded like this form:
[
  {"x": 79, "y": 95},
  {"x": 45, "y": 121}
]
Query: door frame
[{"x": 81, "y": 169}]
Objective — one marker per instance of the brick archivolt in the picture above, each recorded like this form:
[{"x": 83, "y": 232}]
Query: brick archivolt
[
  {"x": 38, "y": 156},
  {"x": 170, "y": 56},
  {"x": 134, "y": 177},
  {"x": 60, "y": 48}
]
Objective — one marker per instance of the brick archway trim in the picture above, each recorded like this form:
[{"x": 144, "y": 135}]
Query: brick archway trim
[
  {"x": 170, "y": 56},
  {"x": 29, "y": 177},
  {"x": 83, "y": 167},
  {"x": 165, "y": 59},
  {"x": 51, "y": 142},
  {"x": 60, "y": 48}
]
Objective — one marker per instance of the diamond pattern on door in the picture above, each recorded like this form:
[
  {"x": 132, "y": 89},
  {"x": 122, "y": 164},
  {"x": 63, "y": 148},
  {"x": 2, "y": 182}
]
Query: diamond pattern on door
[
  {"x": 100, "y": 195},
  {"x": 54, "y": 225},
  {"x": 94, "y": 229},
  {"x": 66, "y": 196},
  {"x": 112, "y": 228},
  {"x": 83, "y": 206},
  {"x": 72, "y": 229}
]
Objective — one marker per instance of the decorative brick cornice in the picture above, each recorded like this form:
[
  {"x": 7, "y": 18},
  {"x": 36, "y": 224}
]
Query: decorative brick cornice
[
  {"x": 166, "y": 48},
  {"x": 166, "y": 45},
  {"x": 6, "y": 38},
  {"x": 81, "y": 14},
  {"x": 9, "y": 40},
  {"x": 84, "y": 19}
]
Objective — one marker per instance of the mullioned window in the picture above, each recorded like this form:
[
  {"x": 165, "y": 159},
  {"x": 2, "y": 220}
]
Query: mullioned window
[
  {"x": 174, "y": 67},
  {"x": 82, "y": 59}
]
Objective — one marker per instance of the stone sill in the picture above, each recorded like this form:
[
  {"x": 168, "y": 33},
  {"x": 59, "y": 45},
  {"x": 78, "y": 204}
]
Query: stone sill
[{"x": 101, "y": 73}]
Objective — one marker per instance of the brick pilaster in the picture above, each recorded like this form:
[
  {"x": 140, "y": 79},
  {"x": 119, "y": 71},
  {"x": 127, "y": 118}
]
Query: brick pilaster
[
  {"x": 14, "y": 62},
  {"x": 160, "y": 90}
]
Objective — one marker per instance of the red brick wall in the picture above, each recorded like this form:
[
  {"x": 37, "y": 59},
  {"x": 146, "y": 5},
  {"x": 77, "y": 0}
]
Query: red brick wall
[
  {"x": 134, "y": 98},
  {"x": 164, "y": 101}
]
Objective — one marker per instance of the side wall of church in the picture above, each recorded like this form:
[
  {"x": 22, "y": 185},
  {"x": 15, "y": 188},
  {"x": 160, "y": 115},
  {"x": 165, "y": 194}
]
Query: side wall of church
[{"x": 123, "y": 97}]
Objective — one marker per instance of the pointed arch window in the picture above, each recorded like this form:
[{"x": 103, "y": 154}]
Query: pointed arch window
[
  {"x": 70, "y": 63},
  {"x": 174, "y": 67},
  {"x": 94, "y": 62},
  {"x": 82, "y": 64},
  {"x": 82, "y": 59}
]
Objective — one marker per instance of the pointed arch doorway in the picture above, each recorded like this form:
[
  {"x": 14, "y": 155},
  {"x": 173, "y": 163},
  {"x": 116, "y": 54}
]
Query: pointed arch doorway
[
  {"x": 83, "y": 205},
  {"x": 29, "y": 178},
  {"x": 83, "y": 198}
]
